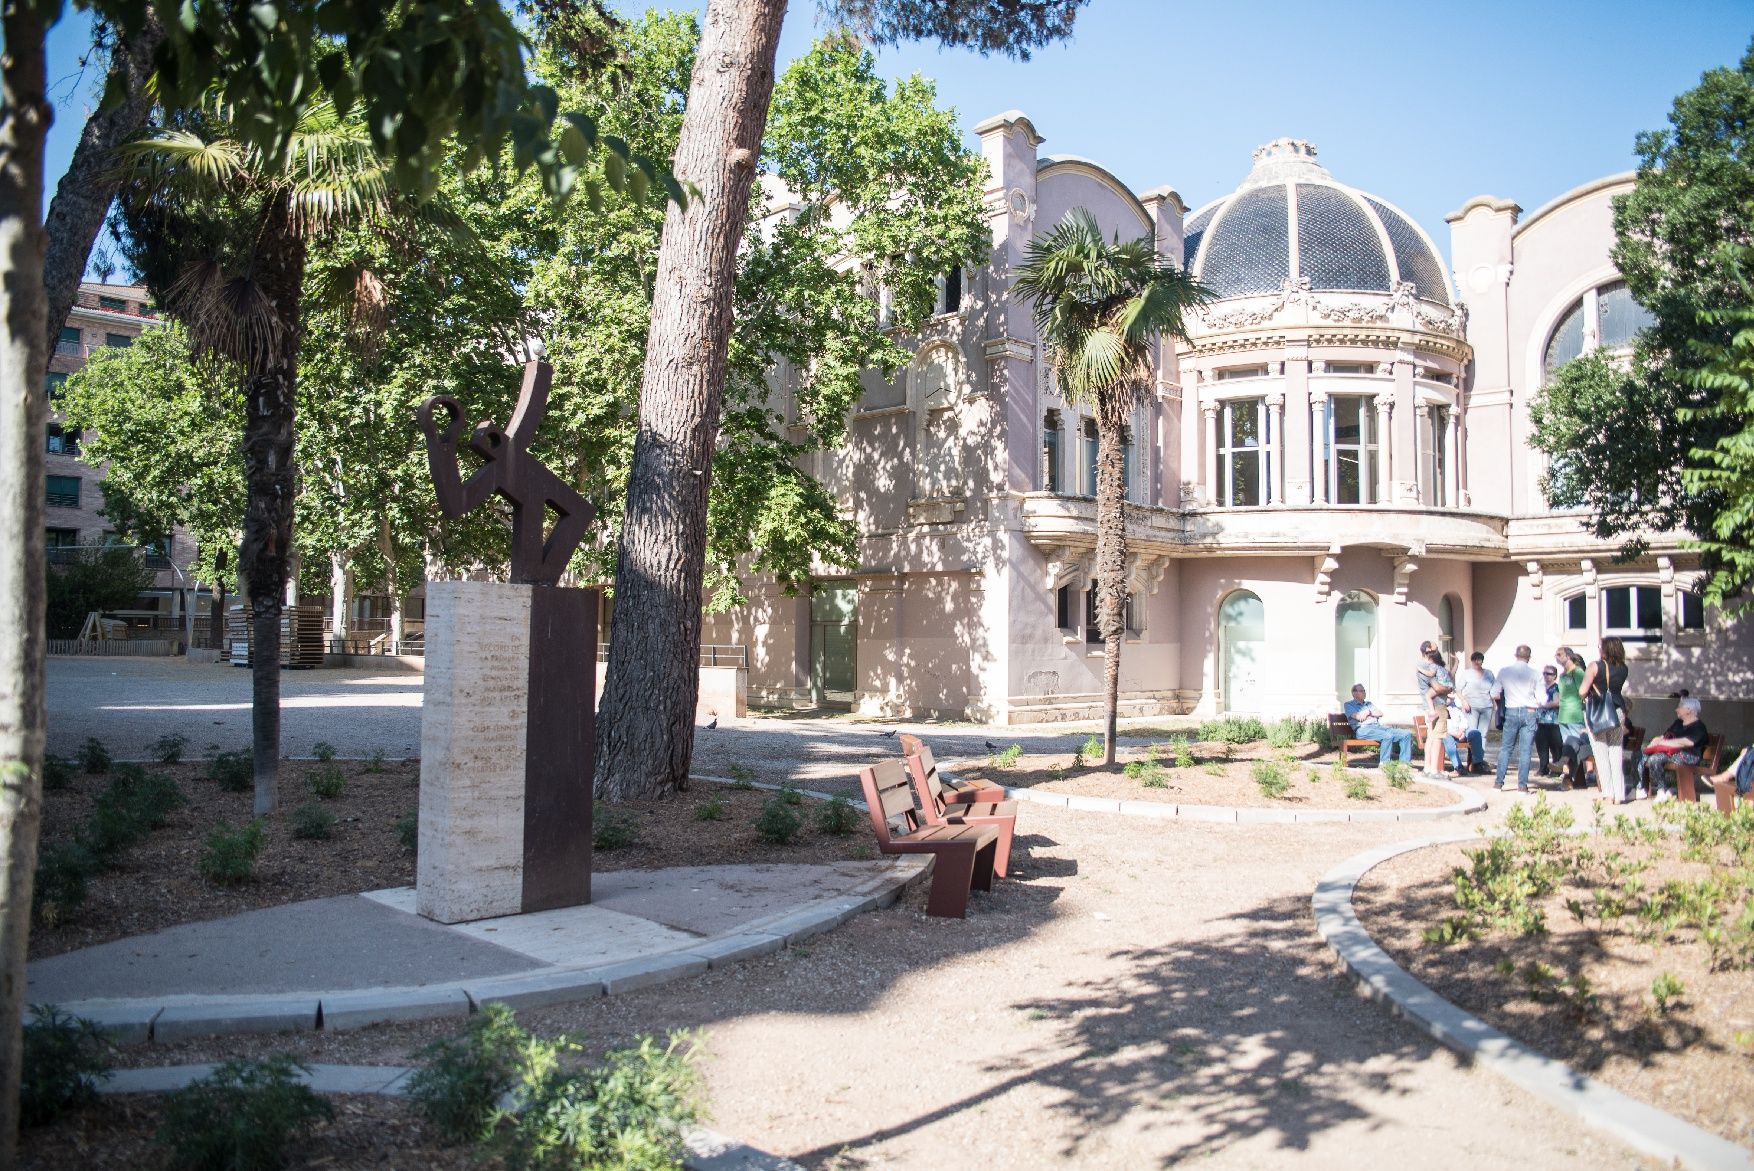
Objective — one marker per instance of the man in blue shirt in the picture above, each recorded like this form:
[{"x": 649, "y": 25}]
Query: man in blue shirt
[{"x": 1366, "y": 720}]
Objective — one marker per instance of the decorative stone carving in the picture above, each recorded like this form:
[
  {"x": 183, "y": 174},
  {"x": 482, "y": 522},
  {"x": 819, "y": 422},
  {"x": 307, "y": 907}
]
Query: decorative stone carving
[
  {"x": 1291, "y": 292},
  {"x": 1065, "y": 562},
  {"x": 1536, "y": 577},
  {"x": 1406, "y": 566},
  {"x": 1022, "y": 207},
  {"x": 1325, "y": 566},
  {"x": 1144, "y": 573}
]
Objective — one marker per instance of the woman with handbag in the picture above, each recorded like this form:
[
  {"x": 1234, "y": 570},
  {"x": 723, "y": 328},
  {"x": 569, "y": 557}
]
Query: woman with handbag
[{"x": 1603, "y": 690}]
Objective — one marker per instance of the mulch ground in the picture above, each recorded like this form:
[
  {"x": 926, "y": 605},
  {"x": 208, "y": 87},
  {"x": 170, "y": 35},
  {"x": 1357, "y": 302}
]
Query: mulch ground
[
  {"x": 1695, "y": 1060},
  {"x": 367, "y": 1131},
  {"x": 156, "y": 883},
  {"x": 1221, "y": 775}
]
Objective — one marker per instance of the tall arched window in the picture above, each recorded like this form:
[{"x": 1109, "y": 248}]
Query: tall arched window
[
  {"x": 1242, "y": 637},
  {"x": 1355, "y": 644},
  {"x": 940, "y": 427},
  {"x": 1606, "y": 318},
  {"x": 1449, "y": 625}
]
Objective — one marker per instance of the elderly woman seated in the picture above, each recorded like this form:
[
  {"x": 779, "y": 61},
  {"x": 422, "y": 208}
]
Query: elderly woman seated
[{"x": 1683, "y": 742}]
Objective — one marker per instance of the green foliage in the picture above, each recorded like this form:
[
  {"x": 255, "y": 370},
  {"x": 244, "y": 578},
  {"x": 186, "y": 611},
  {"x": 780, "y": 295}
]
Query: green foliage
[
  {"x": 789, "y": 796},
  {"x": 1147, "y": 772},
  {"x": 57, "y": 772},
  {"x": 712, "y": 809},
  {"x": 234, "y": 772},
  {"x": 240, "y": 1117},
  {"x": 65, "y": 1057},
  {"x": 1233, "y": 730},
  {"x": 1666, "y": 989},
  {"x": 326, "y": 781},
  {"x": 408, "y": 833},
  {"x": 1091, "y": 747},
  {"x": 323, "y": 751},
  {"x": 1723, "y": 471},
  {"x": 838, "y": 817},
  {"x": 312, "y": 823},
  {"x": 1270, "y": 776},
  {"x": 374, "y": 762},
  {"x": 1358, "y": 787},
  {"x": 1007, "y": 758},
  {"x": 129, "y": 807},
  {"x": 778, "y": 823},
  {"x": 92, "y": 578},
  {"x": 59, "y": 891},
  {"x": 613, "y": 829},
  {"x": 1181, "y": 752},
  {"x": 1294, "y": 730},
  {"x": 461, "y": 1079},
  {"x": 168, "y": 749},
  {"x": 1398, "y": 773},
  {"x": 1454, "y": 929},
  {"x": 741, "y": 777},
  {"x": 93, "y": 757},
  {"x": 230, "y": 855}
]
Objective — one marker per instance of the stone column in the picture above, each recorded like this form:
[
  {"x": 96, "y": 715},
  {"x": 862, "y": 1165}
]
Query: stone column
[
  {"x": 1452, "y": 473},
  {"x": 1300, "y": 474},
  {"x": 1277, "y": 448},
  {"x": 1318, "y": 437},
  {"x": 1209, "y": 464},
  {"x": 1385, "y": 449}
]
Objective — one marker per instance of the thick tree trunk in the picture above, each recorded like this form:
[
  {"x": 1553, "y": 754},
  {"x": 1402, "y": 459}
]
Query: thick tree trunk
[
  {"x": 269, "y": 400},
  {"x": 340, "y": 585},
  {"x": 645, "y": 725},
  {"x": 1111, "y": 559},
  {"x": 82, "y": 198},
  {"x": 24, "y": 120}
]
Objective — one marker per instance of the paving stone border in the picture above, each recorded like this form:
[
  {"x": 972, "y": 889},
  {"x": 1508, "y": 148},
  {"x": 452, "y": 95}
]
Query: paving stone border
[
  {"x": 703, "y": 1149},
  {"x": 1642, "y": 1126},
  {"x": 176, "y": 1018}
]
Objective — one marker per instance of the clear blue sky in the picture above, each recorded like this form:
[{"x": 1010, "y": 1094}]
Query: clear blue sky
[{"x": 1422, "y": 104}]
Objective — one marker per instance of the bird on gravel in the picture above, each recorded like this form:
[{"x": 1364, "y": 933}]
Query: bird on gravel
[
  {"x": 714, "y": 722},
  {"x": 991, "y": 747},
  {"x": 889, "y": 733}
]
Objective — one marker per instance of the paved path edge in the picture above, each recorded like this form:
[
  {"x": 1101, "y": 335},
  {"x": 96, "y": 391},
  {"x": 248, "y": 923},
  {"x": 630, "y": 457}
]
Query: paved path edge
[
  {"x": 704, "y": 1149},
  {"x": 1638, "y": 1124}
]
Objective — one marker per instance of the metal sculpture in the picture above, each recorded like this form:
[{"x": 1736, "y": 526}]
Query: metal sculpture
[{"x": 509, "y": 470}]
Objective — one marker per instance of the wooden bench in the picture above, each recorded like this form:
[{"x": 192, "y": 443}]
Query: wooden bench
[
  {"x": 956, "y": 791},
  {"x": 962, "y": 854},
  {"x": 1687, "y": 775},
  {"x": 1001, "y": 815},
  {"x": 1340, "y": 733}
]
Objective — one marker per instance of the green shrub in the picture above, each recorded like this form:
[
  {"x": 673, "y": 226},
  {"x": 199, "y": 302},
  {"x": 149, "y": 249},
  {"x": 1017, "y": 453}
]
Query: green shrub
[
  {"x": 612, "y": 829},
  {"x": 93, "y": 757},
  {"x": 778, "y": 823},
  {"x": 1358, "y": 787},
  {"x": 374, "y": 763},
  {"x": 1147, "y": 772},
  {"x": 408, "y": 832},
  {"x": 712, "y": 809},
  {"x": 65, "y": 1057},
  {"x": 59, "y": 891},
  {"x": 234, "y": 772},
  {"x": 838, "y": 817},
  {"x": 625, "y": 1114},
  {"x": 1181, "y": 752},
  {"x": 1091, "y": 747},
  {"x": 1007, "y": 758},
  {"x": 1283, "y": 734},
  {"x": 1270, "y": 777},
  {"x": 57, "y": 772},
  {"x": 323, "y": 751},
  {"x": 1233, "y": 730},
  {"x": 168, "y": 749},
  {"x": 240, "y": 1117},
  {"x": 789, "y": 795},
  {"x": 462, "y": 1079},
  {"x": 230, "y": 856},
  {"x": 1667, "y": 989},
  {"x": 741, "y": 777},
  {"x": 312, "y": 823},
  {"x": 131, "y": 805},
  {"x": 326, "y": 781},
  {"x": 1399, "y": 774}
]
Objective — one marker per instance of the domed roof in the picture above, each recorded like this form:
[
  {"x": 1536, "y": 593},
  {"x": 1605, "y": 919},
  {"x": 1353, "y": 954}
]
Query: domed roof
[{"x": 1290, "y": 219}]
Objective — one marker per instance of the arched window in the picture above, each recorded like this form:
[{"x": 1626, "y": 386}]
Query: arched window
[
  {"x": 1242, "y": 637},
  {"x": 1606, "y": 318},
  {"x": 940, "y": 429},
  {"x": 1354, "y": 644},
  {"x": 1449, "y": 624}
]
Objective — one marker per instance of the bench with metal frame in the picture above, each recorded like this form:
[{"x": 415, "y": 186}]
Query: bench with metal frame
[{"x": 963, "y": 855}]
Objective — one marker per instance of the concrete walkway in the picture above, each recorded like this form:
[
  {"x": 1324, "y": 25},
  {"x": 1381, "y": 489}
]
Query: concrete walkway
[{"x": 365, "y": 959}]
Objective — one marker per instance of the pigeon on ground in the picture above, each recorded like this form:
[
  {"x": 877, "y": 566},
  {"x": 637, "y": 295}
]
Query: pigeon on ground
[
  {"x": 714, "y": 722},
  {"x": 891, "y": 732},
  {"x": 991, "y": 747}
]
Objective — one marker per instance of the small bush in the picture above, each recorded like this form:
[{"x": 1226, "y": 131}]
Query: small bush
[
  {"x": 93, "y": 757},
  {"x": 65, "y": 1057},
  {"x": 1358, "y": 787},
  {"x": 1091, "y": 747},
  {"x": 1147, "y": 772},
  {"x": 1399, "y": 774},
  {"x": 59, "y": 891},
  {"x": 375, "y": 762},
  {"x": 312, "y": 823},
  {"x": 1666, "y": 990},
  {"x": 778, "y": 824},
  {"x": 240, "y": 1117},
  {"x": 1283, "y": 734},
  {"x": 789, "y": 795},
  {"x": 168, "y": 749},
  {"x": 837, "y": 817},
  {"x": 326, "y": 781},
  {"x": 131, "y": 805},
  {"x": 741, "y": 777},
  {"x": 712, "y": 809},
  {"x": 323, "y": 751},
  {"x": 459, "y": 1086},
  {"x": 612, "y": 829},
  {"x": 230, "y": 857},
  {"x": 408, "y": 832},
  {"x": 1270, "y": 777},
  {"x": 57, "y": 772},
  {"x": 1181, "y": 752},
  {"x": 1233, "y": 730},
  {"x": 234, "y": 772},
  {"x": 1007, "y": 758}
]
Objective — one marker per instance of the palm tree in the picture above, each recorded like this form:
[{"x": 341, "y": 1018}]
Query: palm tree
[
  {"x": 221, "y": 234},
  {"x": 1100, "y": 307}
]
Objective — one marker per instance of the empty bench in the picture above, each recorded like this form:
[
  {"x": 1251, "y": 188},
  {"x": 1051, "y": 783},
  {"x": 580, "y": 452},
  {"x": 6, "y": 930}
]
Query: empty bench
[
  {"x": 956, "y": 792},
  {"x": 963, "y": 855},
  {"x": 937, "y": 809}
]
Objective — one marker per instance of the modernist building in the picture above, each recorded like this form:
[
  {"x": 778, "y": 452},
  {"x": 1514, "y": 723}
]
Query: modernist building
[{"x": 1334, "y": 467}]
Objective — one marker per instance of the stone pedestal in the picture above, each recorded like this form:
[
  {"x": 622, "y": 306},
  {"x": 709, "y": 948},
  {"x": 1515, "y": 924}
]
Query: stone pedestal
[{"x": 506, "y": 749}]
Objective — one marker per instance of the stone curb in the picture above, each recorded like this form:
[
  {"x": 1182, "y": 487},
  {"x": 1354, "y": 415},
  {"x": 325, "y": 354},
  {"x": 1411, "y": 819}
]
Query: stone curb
[
  {"x": 176, "y": 1018},
  {"x": 1643, "y": 1127},
  {"x": 703, "y": 1149}
]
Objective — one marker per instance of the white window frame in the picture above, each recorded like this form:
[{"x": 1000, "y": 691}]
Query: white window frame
[
  {"x": 1368, "y": 448},
  {"x": 1227, "y": 453},
  {"x": 1632, "y": 633}
]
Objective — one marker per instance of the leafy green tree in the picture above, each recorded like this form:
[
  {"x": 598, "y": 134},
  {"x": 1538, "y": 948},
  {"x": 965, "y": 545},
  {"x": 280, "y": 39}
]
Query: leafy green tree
[
  {"x": 1100, "y": 308},
  {"x": 1725, "y": 471},
  {"x": 92, "y": 578},
  {"x": 1627, "y": 440}
]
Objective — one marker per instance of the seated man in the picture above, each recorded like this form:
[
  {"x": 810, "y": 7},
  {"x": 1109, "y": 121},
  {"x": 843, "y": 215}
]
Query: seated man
[{"x": 1366, "y": 720}]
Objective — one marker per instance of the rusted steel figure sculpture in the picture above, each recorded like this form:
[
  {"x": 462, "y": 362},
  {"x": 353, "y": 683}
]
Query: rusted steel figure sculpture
[{"x": 512, "y": 472}]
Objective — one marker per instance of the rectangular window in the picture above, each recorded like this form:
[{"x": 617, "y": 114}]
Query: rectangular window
[
  {"x": 63, "y": 441},
  {"x": 1239, "y": 372},
  {"x": 113, "y": 304},
  {"x": 1692, "y": 611},
  {"x": 1434, "y": 455},
  {"x": 63, "y": 491},
  {"x": 53, "y": 383},
  {"x": 949, "y": 292},
  {"x": 69, "y": 342},
  {"x": 1050, "y": 452},
  {"x": 1351, "y": 367},
  {"x": 1091, "y": 448},
  {"x": 1127, "y": 464},
  {"x": 1633, "y": 613},
  {"x": 61, "y": 538},
  {"x": 1577, "y": 612},
  {"x": 1064, "y": 616},
  {"x": 1352, "y": 450},
  {"x": 1093, "y": 624},
  {"x": 119, "y": 340},
  {"x": 1244, "y": 463}
]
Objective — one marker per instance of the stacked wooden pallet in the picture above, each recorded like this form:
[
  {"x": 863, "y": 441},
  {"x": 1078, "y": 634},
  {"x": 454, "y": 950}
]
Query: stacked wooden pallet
[{"x": 301, "y": 636}]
